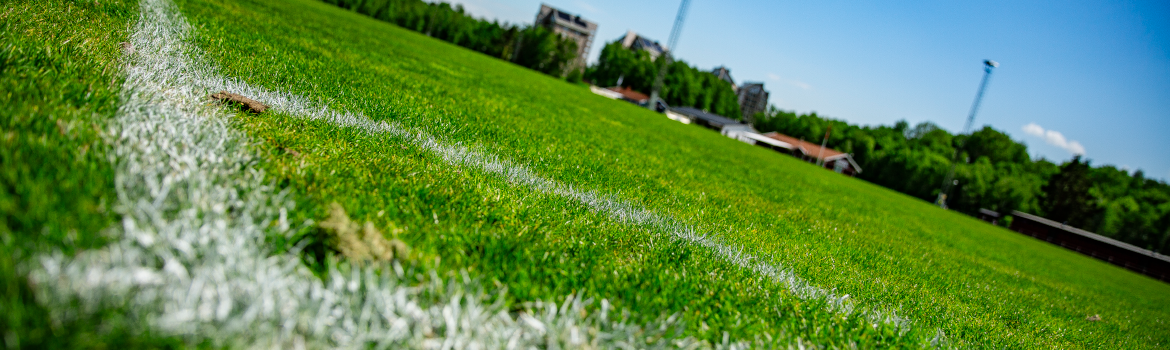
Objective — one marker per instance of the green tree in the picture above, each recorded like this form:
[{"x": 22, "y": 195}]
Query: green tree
[
  {"x": 683, "y": 85},
  {"x": 995, "y": 146},
  {"x": 1067, "y": 196},
  {"x": 995, "y": 172},
  {"x": 545, "y": 51},
  {"x": 633, "y": 68},
  {"x": 723, "y": 100}
]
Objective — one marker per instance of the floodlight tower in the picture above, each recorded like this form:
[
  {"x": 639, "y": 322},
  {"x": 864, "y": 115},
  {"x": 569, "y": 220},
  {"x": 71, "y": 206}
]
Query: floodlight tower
[
  {"x": 670, "y": 44},
  {"x": 950, "y": 181}
]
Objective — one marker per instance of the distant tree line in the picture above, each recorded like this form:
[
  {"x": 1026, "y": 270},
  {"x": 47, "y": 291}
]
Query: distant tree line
[
  {"x": 683, "y": 85},
  {"x": 534, "y": 47},
  {"x": 994, "y": 172}
]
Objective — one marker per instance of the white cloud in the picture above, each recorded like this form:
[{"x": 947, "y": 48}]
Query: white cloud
[
  {"x": 773, "y": 76},
  {"x": 800, "y": 84},
  {"x": 1055, "y": 138},
  {"x": 1034, "y": 129}
]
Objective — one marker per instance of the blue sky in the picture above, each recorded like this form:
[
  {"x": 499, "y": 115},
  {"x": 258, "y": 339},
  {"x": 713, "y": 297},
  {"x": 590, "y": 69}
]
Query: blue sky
[{"x": 1075, "y": 76}]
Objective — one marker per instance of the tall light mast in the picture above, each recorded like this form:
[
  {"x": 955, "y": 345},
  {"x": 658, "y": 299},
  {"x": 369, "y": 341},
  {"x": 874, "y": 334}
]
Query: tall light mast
[
  {"x": 666, "y": 54},
  {"x": 949, "y": 182}
]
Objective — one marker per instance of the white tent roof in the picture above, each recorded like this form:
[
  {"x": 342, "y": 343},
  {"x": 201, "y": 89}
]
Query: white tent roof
[
  {"x": 605, "y": 92},
  {"x": 767, "y": 140}
]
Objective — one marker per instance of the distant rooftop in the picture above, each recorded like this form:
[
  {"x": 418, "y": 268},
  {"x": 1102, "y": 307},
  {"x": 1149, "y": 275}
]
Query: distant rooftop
[
  {"x": 989, "y": 212},
  {"x": 725, "y": 74},
  {"x": 709, "y": 117},
  {"x": 629, "y": 94},
  {"x": 568, "y": 20},
  {"x": 813, "y": 150},
  {"x": 569, "y": 26},
  {"x": 754, "y": 85},
  {"x": 808, "y": 148},
  {"x": 633, "y": 41}
]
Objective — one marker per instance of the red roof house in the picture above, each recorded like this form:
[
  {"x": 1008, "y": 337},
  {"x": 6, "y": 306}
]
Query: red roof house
[
  {"x": 629, "y": 94},
  {"x": 840, "y": 162}
]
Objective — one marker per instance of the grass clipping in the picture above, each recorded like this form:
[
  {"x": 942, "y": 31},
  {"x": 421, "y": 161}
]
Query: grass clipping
[{"x": 360, "y": 243}]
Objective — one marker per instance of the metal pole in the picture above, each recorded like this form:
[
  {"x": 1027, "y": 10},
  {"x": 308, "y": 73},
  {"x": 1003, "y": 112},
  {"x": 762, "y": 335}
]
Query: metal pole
[
  {"x": 664, "y": 59},
  {"x": 988, "y": 65},
  {"x": 825, "y": 142}
]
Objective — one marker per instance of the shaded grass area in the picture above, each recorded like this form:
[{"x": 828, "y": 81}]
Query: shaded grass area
[
  {"x": 981, "y": 285},
  {"x": 59, "y": 84}
]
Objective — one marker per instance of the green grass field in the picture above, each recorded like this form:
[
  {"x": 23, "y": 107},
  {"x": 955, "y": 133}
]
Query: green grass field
[{"x": 953, "y": 281}]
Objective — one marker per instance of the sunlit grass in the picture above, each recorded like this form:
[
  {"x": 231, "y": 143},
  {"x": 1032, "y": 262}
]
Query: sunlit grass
[{"x": 983, "y": 286}]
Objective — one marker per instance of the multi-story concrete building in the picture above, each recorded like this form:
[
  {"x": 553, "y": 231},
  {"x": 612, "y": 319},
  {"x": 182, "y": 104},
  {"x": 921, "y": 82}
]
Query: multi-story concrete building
[
  {"x": 751, "y": 96},
  {"x": 633, "y": 41},
  {"x": 569, "y": 26},
  {"x": 752, "y": 99}
]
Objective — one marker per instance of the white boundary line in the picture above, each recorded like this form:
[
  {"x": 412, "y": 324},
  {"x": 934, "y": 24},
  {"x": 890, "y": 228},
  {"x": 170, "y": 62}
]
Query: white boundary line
[{"x": 192, "y": 259}]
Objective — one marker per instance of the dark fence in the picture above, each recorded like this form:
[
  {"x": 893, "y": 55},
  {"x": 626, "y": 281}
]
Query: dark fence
[{"x": 1116, "y": 252}]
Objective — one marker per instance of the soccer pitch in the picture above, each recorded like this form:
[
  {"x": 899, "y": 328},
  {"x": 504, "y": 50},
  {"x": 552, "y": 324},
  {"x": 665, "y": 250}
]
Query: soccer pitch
[{"x": 537, "y": 213}]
